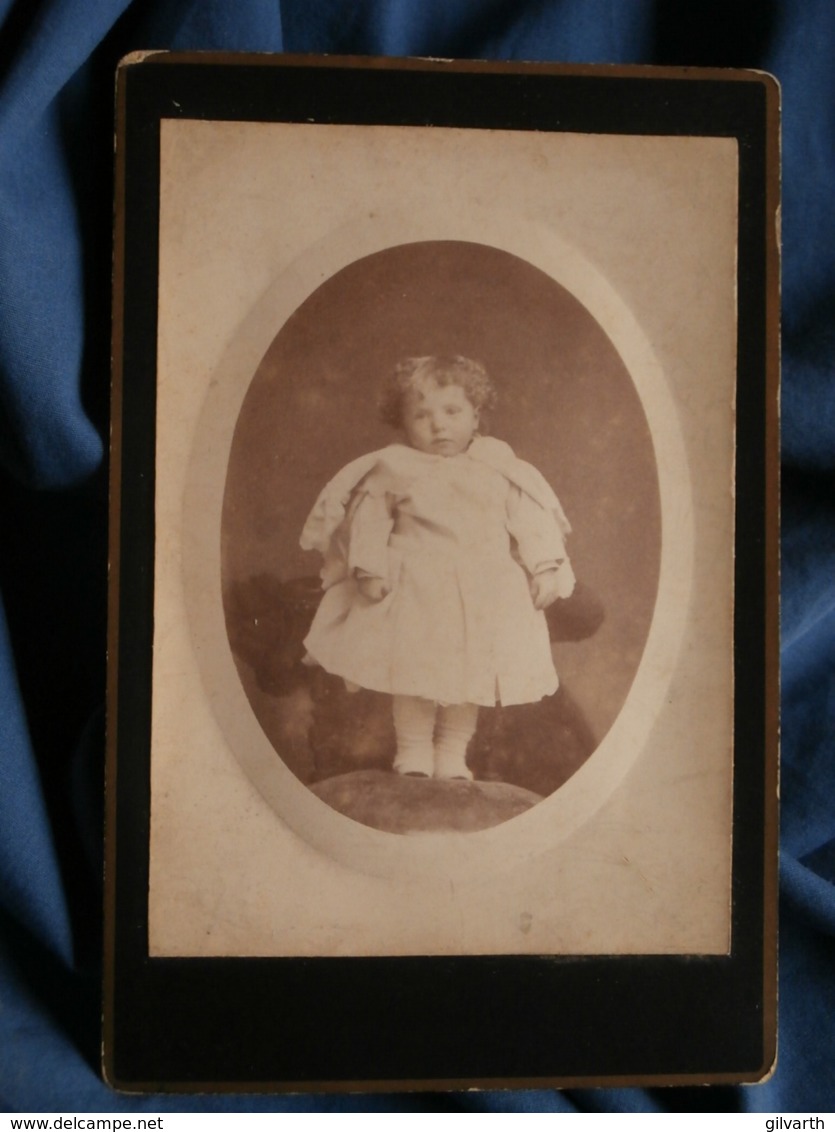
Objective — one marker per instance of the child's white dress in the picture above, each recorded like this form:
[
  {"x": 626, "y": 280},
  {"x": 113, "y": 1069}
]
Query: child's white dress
[{"x": 457, "y": 538}]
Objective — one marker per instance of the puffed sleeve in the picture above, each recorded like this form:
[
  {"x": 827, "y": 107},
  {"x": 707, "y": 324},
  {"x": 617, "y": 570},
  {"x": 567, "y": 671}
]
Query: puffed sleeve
[
  {"x": 539, "y": 541},
  {"x": 358, "y": 492},
  {"x": 369, "y": 524}
]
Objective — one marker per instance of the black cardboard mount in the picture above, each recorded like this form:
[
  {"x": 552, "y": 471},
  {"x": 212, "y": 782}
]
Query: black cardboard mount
[{"x": 430, "y": 1022}]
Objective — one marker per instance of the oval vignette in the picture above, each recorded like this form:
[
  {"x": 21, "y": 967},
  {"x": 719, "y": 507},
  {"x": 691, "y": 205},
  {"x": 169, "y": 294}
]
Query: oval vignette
[{"x": 566, "y": 403}]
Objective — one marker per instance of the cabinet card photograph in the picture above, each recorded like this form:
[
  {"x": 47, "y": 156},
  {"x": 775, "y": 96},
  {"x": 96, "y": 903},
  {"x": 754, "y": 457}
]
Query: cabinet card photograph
[
  {"x": 444, "y": 542},
  {"x": 443, "y": 615}
]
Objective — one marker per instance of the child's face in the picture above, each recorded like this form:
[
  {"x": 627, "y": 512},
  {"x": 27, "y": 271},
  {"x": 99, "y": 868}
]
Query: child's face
[{"x": 439, "y": 419}]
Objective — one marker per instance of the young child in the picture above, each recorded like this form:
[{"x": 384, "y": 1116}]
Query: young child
[{"x": 440, "y": 556}]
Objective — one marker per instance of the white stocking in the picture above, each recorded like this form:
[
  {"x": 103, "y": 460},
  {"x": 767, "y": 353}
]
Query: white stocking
[
  {"x": 414, "y": 723},
  {"x": 456, "y": 726}
]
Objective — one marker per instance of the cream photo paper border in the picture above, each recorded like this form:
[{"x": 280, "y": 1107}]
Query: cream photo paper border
[{"x": 633, "y": 854}]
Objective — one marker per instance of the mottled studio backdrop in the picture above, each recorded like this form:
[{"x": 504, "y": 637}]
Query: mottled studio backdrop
[{"x": 566, "y": 404}]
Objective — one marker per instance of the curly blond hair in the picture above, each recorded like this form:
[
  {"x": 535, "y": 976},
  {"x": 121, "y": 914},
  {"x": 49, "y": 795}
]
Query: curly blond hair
[{"x": 449, "y": 369}]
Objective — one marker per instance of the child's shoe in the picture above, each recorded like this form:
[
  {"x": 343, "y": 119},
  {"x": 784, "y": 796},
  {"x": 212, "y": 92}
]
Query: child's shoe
[
  {"x": 415, "y": 761},
  {"x": 451, "y": 764}
]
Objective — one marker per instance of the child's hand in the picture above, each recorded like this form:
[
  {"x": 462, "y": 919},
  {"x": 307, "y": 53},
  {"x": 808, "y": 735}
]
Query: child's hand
[
  {"x": 373, "y": 589},
  {"x": 547, "y": 587}
]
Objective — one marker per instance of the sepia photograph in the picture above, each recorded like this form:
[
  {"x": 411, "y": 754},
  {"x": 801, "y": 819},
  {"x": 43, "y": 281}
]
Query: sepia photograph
[
  {"x": 442, "y": 503},
  {"x": 440, "y": 571},
  {"x": 444, "y": 542}
]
